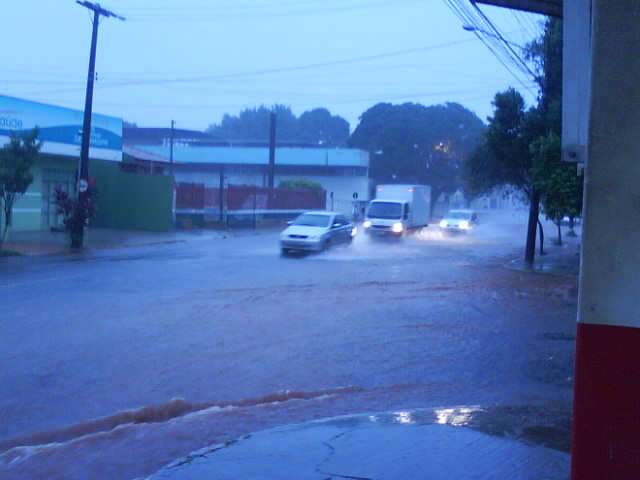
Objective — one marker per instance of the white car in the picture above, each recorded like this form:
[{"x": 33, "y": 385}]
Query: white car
[
  {"x": 459, "y": 221},
  {"x": 316, "y": 231}
]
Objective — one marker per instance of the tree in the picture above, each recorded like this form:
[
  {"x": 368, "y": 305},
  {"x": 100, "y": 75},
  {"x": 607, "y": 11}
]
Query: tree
[
  {"x": 412, "y": 143},
  {"x": 522, "y": 147},
  {"x": 16, "y": 160},
  {"x": 506, "y": 159},
  {"x": 301, "y": 184},
  {"x": 561, "y": 187},
  {"x": 317, "y": 126},
  {"x": 75, "y": 212}
]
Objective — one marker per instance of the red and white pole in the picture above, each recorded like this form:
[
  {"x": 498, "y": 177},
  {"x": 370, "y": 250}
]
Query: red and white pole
[{"x": 606, "y": 432}]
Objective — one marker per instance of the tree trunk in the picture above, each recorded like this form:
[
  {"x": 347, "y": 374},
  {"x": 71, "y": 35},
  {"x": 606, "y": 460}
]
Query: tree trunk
[
  {"x": 558, "y": 224},
  {"x": 534, "y": 210},
  {"x": 572, "y": 224},
  {"x": 77, "y": 238},
  {"x": 435, "y": 194},
  {"x": 541, "y": 237},
  {"x": 8, "y": 210}
]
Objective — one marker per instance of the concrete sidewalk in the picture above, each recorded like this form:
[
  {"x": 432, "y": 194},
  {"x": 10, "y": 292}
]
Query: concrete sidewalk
[
  {"x": 558, "y": 259},
  {"x": 57, "y": 243},
  {"x": 435, "y": 445}
]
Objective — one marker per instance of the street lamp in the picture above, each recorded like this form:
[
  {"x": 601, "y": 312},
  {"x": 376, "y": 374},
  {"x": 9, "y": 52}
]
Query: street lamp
[{"x": 472, "y": 28}]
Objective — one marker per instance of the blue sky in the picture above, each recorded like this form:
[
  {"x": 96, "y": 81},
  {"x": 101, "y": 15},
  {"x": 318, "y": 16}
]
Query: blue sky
[{"x": 194, "y": 60}]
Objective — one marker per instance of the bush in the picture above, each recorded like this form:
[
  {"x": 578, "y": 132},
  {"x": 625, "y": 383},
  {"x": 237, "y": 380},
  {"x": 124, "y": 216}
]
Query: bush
[
  {"x": 76, "y": 214},
  {"x": 301, "y": 184}
]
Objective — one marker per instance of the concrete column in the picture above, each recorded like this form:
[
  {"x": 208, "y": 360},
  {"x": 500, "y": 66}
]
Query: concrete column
[{"x": 606, "y": 436}]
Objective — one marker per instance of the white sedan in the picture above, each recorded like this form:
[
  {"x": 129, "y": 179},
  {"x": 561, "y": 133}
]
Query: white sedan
[
  {"x": 316, "y": 231},
  {"x": 459, "y": 221}
]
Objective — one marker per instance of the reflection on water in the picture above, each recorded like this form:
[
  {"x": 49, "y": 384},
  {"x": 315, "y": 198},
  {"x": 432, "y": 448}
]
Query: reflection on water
[
  {"x": 404, "y": 418},
  {"x": 458, "y": 417},
  {"x": 454, "y": 416}
]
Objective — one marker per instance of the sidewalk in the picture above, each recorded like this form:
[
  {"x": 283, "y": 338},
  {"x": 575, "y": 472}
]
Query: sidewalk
[
  {"x": 434, "y": 445},
  {"x": 57, "y": 243},
  {"x": 558, "y": 259}
]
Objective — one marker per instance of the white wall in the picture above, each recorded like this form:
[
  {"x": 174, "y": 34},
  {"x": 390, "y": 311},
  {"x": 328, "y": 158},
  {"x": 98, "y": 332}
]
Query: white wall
[{"x": 343, "y": 187}]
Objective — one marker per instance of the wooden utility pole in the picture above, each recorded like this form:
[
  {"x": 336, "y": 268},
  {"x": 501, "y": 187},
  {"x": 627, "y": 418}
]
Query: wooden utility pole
[
  {"x": 83, "y": 171},
  {"x": 272, "y": 149},
  {"x": 173, "y": 124}
]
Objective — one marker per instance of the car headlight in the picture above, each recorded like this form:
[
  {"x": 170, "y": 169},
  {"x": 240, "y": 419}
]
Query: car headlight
[
  {"x": 464, "y": 225},
  {"x": 397, "y": 228},
  {"x": 443, "y": 223},
  {"x": 366, "y": 224},
  {"x": 354, "y": 231}
]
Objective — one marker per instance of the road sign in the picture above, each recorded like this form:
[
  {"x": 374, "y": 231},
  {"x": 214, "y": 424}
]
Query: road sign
[{"x": 83, "y": 185}]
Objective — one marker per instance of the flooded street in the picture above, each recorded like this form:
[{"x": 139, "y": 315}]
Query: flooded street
[{"x": 118, "y": 362}]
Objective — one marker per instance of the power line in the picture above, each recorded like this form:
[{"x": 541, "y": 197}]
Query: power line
[
  {"x": 535, "y": 25},
  {"x": 523, "y": 25},
  {"x": 208, "y": 15},
  {"x": 326, "y": 99},
  {"x": 467, "y": 17},
  {"x": 269, "y": 71},
  {"x": 233, "y": 6},
  {"x": 514, "y": 54}
]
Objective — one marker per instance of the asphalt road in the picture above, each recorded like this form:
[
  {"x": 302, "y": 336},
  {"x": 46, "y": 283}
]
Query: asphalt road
[{"x": 251, "y": 340}]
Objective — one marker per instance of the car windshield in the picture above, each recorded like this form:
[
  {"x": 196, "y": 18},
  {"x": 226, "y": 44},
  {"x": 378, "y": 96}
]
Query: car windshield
[
  {"x": 385, "y": 210},
  {"x": 312, "y": 220},
  {"x": 458, "y": 215}
]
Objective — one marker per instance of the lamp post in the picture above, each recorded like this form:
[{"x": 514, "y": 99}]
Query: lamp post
[{"x": 471, "y": 28}]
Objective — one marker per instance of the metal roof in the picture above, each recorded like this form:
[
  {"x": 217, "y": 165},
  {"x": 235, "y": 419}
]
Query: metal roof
[
  {"x": 142, "y": 154},
  {"x": 152, "y": 135},
  {"x": 552, "y": 8},
  {"x": 208, "y": 155}
]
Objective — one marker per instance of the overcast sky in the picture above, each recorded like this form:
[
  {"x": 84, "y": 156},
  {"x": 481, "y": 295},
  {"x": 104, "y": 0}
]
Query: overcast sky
[{"x": 194, "y": 60}]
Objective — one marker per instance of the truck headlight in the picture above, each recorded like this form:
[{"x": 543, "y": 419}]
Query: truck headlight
[
  {"x": 367, "y": 224},
  {"x": 464, "y": 225},
  {"x": 443, "y": 223},
  {"x": 397, "y": 228}
]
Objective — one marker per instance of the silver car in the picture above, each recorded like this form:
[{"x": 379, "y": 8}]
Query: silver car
[
  {"x": 316, "y": 231},
  {"x": 459, "y": 221}
]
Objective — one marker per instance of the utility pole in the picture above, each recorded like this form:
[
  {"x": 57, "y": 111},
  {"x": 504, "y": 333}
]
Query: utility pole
[
  {"x": 272, "y": 149},
  {"x": 172, "y": 174},
  {"x": 173, "y": 124},
  {"x": 83, "y": 176},
  {"x": 221, "y": 193}
]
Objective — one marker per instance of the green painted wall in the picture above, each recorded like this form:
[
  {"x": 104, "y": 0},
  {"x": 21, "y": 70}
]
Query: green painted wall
[
  {"x": 29, "y": 211},
  {"x": 131, "y": 201}
]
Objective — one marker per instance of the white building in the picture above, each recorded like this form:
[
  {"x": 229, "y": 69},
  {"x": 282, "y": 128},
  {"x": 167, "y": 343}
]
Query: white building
[{"x": 342, "y": 172}]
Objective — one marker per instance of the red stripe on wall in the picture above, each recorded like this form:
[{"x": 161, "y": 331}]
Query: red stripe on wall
[{"x": 606, "y": 417}]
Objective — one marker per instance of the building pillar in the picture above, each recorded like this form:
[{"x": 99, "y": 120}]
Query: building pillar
[{"x": 606, "y": 431}]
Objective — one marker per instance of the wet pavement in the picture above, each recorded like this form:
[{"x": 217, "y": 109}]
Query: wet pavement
[
  {"x": 438, "y": 444},
  {"x": 100, "y": 344}
]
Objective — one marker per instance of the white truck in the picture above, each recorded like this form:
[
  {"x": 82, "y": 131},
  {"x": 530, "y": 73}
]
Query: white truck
[{"x": 398, "y": 209}]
